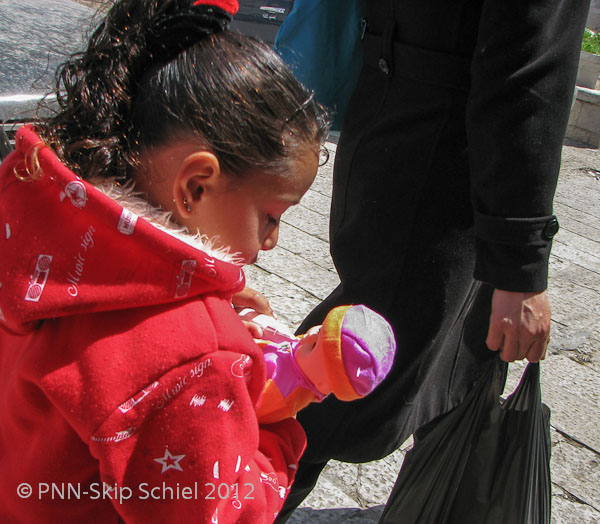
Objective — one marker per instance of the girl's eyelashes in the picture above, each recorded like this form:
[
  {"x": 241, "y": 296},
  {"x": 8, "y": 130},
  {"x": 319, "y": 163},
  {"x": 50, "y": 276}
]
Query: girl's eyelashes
[{"x": 272, "y": 220}]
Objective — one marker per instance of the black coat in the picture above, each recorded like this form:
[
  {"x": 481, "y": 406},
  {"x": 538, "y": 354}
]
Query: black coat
[{"x": 445, "y": 173}]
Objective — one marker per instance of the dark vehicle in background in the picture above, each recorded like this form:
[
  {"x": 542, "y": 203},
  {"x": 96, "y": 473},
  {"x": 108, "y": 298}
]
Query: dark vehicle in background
[
  {"x": 261, "y": 19},
  {"x": 36, "y": 36}
]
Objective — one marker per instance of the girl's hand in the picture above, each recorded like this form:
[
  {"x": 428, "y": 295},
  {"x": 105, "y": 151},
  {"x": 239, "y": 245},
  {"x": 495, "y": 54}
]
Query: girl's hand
[
  {"x": 519, "y": 325},
  {"x": 250, "y": 298}
]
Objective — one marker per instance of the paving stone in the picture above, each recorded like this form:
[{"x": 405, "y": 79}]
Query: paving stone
[
  {"x": 317, "y": 202},
  {"x": 577, "y": 222},
  {"x": 345, "y": 476},
  {"x": 575, "y": 273},
  {"x": 572, "y": 391},
  {"x": 583, "y": 245},
  {"x": 576, "y": 469},
  {"x": 328, "y": 495},
  {"x": 567, "y": 510},
  {"x": 575, "y": 304},
  {"x": 574, "y": 293},
  {"x": 290, "y": 302},
  {"x": 564, "y": 248},
  {"x": 566, "y": 212},
  {"x": 375, "y": 481},
  {"x": 557, "y": 265},
  {"x": 575, "y": 182},
  {"x": 322, "y": 183},
  {"x": 573, "y": 338},
  {"x": 367, "y": 484},
  {"x": 308, "y": 221},
  {"x": 307, "y": 246},
  {"x": 314, "y": 279},
  {"x": 577, "y": 192},
  {"x": 577, "y": 289}
]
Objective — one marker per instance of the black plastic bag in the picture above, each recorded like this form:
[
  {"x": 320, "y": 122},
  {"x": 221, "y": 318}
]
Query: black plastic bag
[{"x": 484, "y": 462}]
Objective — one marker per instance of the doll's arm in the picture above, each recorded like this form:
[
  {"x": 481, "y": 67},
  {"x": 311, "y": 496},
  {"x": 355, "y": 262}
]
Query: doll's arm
[{"x": 271, "y": 328}]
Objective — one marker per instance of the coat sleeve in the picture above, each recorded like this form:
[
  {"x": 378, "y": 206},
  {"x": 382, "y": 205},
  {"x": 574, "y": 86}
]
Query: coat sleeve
[
  {"x": 188, "y": 448},
  {"x": 522, "y": 81}
]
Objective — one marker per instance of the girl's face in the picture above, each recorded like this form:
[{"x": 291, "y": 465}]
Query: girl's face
[
  {"x": 241, "y": 214},
  {"x": 244, "y": 214}
]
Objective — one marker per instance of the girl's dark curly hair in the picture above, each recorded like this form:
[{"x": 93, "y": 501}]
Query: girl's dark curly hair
[{"x": 156, "y": 70}]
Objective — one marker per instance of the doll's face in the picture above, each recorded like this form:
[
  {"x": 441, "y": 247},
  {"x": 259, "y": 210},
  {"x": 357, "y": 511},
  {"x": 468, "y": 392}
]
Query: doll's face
[
  {"x": 309, "y": 356},
  {"x": 310, "y": 340}
]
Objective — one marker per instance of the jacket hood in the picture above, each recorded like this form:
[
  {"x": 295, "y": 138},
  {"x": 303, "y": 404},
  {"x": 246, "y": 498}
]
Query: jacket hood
[{"x": 72, "y": 247}]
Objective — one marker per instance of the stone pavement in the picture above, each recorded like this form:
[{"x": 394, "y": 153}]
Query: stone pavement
[{"x": 298, "y": 274}]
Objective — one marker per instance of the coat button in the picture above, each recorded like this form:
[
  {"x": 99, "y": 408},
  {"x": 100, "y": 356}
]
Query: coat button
[
  {"x": 550, "y": 229},
  {"x": 384, "y": 66}
]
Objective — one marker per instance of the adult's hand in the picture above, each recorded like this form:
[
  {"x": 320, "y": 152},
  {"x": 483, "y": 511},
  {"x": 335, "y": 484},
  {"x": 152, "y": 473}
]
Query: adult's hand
[{"x": 519, "y": 325}]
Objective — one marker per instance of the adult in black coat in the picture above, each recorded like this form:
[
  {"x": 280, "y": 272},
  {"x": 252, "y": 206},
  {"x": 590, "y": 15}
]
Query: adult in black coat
[{"x": 441, "y": 216}]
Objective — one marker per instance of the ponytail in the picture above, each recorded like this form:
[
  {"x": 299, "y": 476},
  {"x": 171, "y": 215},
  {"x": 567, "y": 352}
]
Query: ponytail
[{"x": 155, "y": 69}]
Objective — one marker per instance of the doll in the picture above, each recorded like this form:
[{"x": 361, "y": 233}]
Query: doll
[{"x": 348, "y": 355}]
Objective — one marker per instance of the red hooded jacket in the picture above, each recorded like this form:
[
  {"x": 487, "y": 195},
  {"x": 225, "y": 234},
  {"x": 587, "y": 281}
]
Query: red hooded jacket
[{"x": 128, "y": 384}]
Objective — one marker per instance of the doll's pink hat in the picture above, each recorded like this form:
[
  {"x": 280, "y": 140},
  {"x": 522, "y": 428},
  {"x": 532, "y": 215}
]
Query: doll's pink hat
[{"x": 358, "y": 348}]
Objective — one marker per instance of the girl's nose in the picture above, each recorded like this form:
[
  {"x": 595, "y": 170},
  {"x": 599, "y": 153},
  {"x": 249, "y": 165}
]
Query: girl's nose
[{"x": 271, "y": 240}]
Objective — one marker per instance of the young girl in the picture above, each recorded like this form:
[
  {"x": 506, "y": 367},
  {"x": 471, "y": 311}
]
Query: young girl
[{"x": 125, "y": 219}]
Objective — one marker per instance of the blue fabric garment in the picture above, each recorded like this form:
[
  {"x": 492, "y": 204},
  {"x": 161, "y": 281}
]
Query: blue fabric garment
[{"x": 320, "y": 41}]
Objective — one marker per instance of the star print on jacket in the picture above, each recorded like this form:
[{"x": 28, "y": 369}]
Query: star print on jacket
[{"x": 169, "y": 461}]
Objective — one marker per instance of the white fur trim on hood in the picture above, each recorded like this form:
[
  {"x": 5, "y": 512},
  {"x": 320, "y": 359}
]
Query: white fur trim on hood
[{"x": 126, "y": 196}]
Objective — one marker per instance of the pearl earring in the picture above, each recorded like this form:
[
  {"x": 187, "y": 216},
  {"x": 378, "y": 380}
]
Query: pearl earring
[{"x": 187, "y": 206}]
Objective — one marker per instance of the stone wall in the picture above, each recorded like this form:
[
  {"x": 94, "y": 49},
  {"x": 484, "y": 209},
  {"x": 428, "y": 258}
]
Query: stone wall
[
  {"x": 593, "y": 21},
  {"x": 584, "y": 121}
]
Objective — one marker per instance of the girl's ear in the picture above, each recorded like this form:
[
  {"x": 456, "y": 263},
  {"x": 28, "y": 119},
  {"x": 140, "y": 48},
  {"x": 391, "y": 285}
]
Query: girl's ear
[{"x": 199, "y": 175}]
